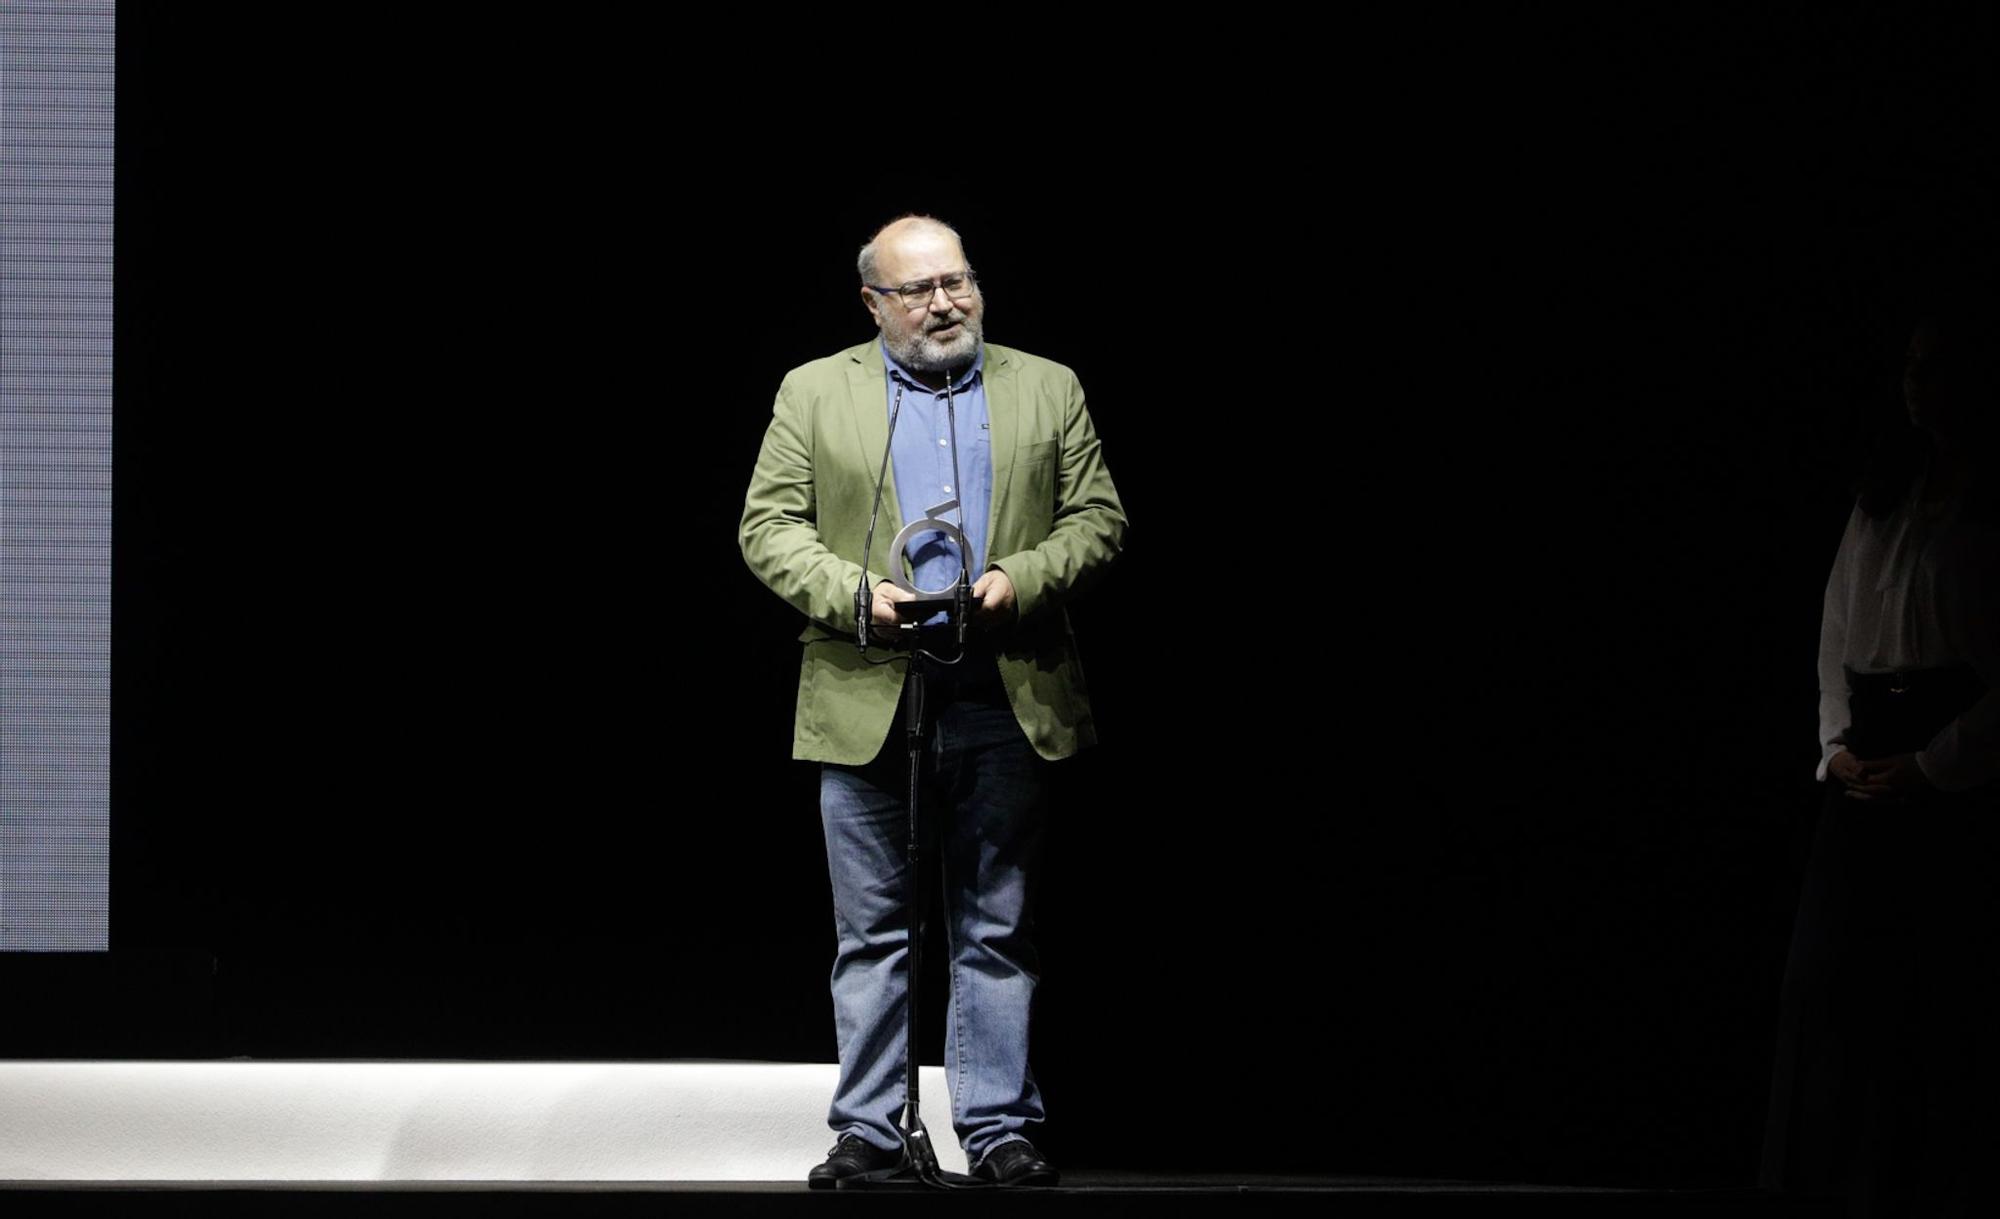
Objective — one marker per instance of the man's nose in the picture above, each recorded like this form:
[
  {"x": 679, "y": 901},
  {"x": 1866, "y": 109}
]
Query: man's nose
[{"x": 940, "y": 302}]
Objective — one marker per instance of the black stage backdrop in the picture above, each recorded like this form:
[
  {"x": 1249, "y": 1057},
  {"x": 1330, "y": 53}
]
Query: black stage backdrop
[{"x": 1482, "y": 417}]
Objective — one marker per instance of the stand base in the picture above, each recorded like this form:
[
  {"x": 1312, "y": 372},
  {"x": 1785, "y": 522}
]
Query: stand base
[
  {"x": 905, "y": 1177},
  {"x": 919, "y": 1166}
]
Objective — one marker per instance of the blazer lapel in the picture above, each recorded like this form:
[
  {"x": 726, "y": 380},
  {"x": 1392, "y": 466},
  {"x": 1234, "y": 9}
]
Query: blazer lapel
[
  {"x": 1003, "y": 408},
  {"x": 866, "y": 390}
]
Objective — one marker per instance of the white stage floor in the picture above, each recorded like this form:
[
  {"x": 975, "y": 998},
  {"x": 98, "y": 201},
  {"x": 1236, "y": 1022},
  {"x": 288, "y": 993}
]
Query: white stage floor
[{"x": 284, "y": 1121}]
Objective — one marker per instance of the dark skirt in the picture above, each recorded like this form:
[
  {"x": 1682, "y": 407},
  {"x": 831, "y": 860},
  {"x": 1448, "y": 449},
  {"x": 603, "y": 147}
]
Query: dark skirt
[{"x": 1882, "y": 1086}]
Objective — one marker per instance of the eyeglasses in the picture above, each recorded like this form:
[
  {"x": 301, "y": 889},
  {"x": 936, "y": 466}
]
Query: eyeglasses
[{"x": 958, "y": 286}]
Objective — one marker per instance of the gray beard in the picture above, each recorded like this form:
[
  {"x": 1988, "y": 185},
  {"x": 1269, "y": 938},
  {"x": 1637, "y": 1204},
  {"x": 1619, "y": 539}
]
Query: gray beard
[{"x": 921, "y": 353}]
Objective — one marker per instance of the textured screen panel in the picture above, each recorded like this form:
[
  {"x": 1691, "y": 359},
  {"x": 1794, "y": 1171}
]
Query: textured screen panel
[{"x": 57, "y": 63}]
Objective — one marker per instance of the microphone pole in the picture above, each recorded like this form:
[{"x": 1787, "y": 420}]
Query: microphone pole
[
  {"x": 962, "y": 597},
  {"x": 864, "y": 597},
  {"x": 919, "y": 1163}
]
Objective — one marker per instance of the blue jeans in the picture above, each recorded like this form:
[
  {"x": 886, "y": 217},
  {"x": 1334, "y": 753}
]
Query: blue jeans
[{"x": 985, "y": 798}]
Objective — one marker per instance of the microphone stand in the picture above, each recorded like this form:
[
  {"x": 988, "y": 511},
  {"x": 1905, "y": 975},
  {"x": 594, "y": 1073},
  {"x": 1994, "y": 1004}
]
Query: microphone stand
[{"x": 919, "y": 1165}]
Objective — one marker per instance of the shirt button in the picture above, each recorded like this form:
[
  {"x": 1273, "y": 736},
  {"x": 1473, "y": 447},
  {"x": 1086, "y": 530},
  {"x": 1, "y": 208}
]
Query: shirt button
[
  {"x": 947, "y": 488},
  {"x": 943, "y": 441}
]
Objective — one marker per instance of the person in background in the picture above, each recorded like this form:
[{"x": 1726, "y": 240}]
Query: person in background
[{"x": 1885, "y": 1046}]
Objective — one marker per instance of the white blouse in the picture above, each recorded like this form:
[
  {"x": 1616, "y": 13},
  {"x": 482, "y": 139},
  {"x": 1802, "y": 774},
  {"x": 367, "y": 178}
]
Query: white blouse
[{"x": 1910, "y": 593}]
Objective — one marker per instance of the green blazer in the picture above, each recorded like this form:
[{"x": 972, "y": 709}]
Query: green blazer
[{"x": 1056, "y": 523}]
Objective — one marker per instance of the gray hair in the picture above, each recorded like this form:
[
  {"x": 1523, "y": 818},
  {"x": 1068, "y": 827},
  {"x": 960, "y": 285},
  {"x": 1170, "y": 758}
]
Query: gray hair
[{"x": 865, "y": 263}]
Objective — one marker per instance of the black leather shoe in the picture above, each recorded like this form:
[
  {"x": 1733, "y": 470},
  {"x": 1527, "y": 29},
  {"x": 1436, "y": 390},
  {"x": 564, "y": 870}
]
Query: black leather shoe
[
  {"x": 850, "y": 1157},
  {"x": 1016, "y": 1162}
]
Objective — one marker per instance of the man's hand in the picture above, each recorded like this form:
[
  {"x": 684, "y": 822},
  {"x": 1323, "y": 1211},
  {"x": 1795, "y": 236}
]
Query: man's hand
[
  {"x": 883, "y": 619},
  {"x": 993, "y": 598},
  {"x": 1878, "y": 778}
]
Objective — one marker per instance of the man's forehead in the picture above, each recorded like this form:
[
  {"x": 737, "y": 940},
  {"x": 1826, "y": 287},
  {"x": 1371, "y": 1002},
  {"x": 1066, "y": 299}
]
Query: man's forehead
[{"x": 917, "y": 253}]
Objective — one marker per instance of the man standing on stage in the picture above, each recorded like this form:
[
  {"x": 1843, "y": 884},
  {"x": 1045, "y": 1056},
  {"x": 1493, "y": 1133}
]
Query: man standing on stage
[{"x": 1040, "y": 519}]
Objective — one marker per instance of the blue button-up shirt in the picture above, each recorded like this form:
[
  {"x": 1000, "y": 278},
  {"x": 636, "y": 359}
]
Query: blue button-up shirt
[{"x": 922, "y": 457}]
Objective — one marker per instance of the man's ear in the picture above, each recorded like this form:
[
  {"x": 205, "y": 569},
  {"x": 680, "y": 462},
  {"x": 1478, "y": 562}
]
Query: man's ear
[{"x": 873, "y": 306}]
